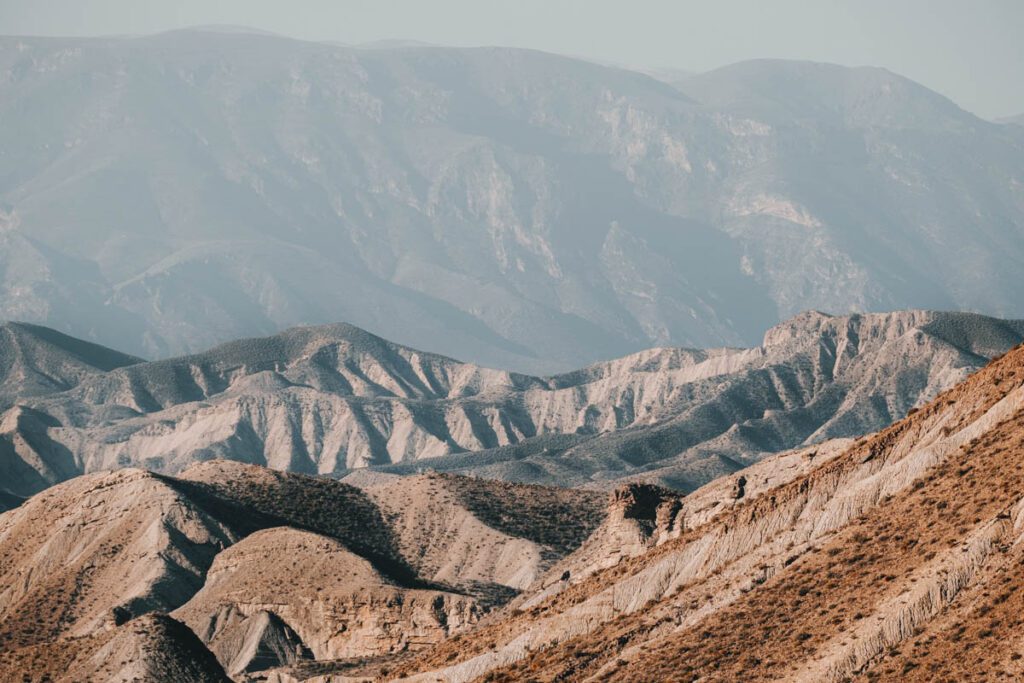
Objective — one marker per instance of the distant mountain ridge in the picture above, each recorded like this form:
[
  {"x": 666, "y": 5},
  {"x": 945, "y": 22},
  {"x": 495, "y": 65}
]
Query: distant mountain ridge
[
  {"x": 167, "y": 193},
  {"x": 36, "y": 360},
  {"x": 330, "y": 399}
]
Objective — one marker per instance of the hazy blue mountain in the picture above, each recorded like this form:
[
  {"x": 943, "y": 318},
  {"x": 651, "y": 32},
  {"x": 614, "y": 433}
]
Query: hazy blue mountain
[{"x": 512, "y": 208}]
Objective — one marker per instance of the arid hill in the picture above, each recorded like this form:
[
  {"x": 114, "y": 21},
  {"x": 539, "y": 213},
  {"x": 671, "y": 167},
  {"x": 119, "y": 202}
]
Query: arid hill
[
  {"x": 263, "y": 568},
  {"x": 326, "y": 400},
  {"x": 896, "y": 558}
]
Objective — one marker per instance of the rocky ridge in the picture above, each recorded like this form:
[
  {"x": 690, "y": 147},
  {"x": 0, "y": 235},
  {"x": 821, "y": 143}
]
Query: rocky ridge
[{"x": 329, "y": 399}]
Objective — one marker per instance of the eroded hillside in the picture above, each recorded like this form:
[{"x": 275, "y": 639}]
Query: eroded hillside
[
  {"x": 262, "y": 568},
  {"x": 330, "y": 399},
  {"x": 889, "y": 557},
  {"x": 897, "y": 559}
]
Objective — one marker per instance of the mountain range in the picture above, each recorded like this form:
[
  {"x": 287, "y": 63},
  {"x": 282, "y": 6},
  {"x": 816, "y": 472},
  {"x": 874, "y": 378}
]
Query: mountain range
[
  {"x": 167, "y": 193},
  {"x": 884, "y": 558},
  {"x": 586, "y": 418},
  {"x": 335, "y": 399}
]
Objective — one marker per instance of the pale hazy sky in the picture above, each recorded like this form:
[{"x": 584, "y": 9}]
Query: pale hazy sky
[{"x": 969, "y": 50}]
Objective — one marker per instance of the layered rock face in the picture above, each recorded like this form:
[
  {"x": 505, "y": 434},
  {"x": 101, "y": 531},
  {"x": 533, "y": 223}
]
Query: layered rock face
[
  {"x": 510, "y": 207},
  {"x": 329, "y": 399},
  {"x": 260, "y": 569},
  {"x": 335, "y": 603}
]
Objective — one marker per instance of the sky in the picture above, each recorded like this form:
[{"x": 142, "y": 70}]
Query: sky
[{"x": 969, "y": 50}]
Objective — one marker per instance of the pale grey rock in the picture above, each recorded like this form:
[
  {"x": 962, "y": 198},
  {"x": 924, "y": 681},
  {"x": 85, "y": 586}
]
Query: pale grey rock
[
  {"x": 261, "y": 642},
  {"x": 331, "y": 399}
]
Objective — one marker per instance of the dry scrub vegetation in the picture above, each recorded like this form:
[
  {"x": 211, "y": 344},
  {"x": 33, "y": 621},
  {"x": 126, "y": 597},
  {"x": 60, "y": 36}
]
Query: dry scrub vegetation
[{"x": 559, "y": 518}]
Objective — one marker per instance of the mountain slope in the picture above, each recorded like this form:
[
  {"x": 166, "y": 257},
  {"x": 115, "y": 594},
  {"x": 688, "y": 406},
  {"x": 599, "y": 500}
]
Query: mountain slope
[
  {"x": 517, "y": 209},
  {"x": 265, "y": 568},
  {"x": 329, "y": 399},
  {"x": 888, "y": 561},
  {"x": 152, "y": 648},
  {"x": 36, "y": 360},
  {"x": 884, "y": 558}
]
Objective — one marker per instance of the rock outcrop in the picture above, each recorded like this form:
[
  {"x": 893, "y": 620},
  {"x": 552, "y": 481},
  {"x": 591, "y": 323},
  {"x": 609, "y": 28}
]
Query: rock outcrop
[
  {"x": 259, "y": 642},
  {"x": 335, "y": 602}
]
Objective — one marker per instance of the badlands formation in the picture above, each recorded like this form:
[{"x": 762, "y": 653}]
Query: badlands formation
[
  {"x": 836, "y": 499},
  {"x": 335, "y": 399},
  {"x": 894, "y": 556}
]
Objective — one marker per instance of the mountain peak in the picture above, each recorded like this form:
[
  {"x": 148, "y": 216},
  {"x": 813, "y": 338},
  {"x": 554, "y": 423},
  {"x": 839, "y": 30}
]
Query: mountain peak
[{"x": 784, "y": 91}]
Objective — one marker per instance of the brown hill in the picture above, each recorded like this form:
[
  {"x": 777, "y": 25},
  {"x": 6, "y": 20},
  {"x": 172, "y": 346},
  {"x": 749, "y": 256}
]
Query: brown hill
[
  {"x": 894, "y": 557},
  {"x": 151, "y": 649},
  {"x": 899, "y": 558},
  {"x": 265, "y": 568}
]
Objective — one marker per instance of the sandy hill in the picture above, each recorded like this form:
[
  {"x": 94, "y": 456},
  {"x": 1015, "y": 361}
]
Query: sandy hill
[
  {"x": 150, "y": 649},
  {"x": 264, "y": 568},
  {"x": 334, "y": 398}
]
